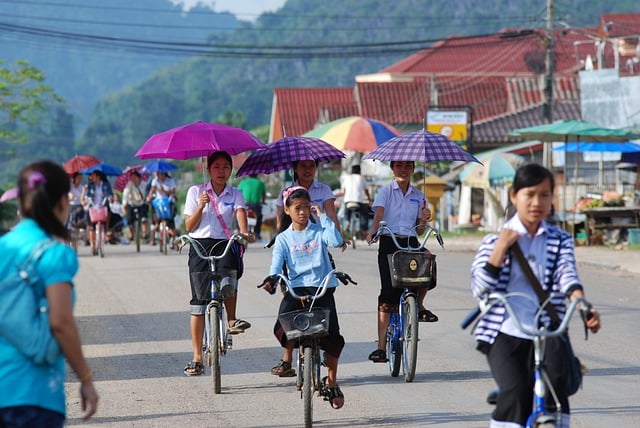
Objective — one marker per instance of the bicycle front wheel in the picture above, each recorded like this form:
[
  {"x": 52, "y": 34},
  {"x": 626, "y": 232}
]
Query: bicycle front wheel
[
  {"x": 100, "y": 238},
  {"x": 307, "y": 385},
  {"x": 215, "y": 319},
  {"x": 410, "y": 337},
  {"x": 136, "y": 232},
  {"x": 394, "y": 350},
  {"x": 163, "y": 237}
]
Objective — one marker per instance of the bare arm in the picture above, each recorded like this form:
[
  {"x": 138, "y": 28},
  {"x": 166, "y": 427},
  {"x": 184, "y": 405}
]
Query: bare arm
[
  {"x": 377, "y": 218},
  {"x": 63, "y": 327},
  {"x": 192, "y": 221}
]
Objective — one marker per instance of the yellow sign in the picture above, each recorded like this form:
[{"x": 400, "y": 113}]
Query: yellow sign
[{"x": 452, "y": 124}]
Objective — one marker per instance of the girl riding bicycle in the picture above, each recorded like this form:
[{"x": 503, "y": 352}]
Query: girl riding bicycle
[
  {"x": 549, "y": 252},
  {"x": 301, "y": 248}
]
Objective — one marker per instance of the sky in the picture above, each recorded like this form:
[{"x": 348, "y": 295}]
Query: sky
[{"x": 246, "y": 10}]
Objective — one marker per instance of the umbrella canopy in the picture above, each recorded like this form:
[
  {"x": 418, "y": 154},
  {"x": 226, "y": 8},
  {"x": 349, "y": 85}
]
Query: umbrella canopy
[
  {"x": 281, "y": 154},
  {"x": 122, "y": 180},
  {"x": 104, "y": 168},
  {"x": 159, "y": 166},
  {"x": 498, "y": 169},
  {"x": 357, "y": 134},
  {"x": 198, "y": 139},
  {"x": 80, "y": 162},
  {"x": 423, "y": 146},
  {"x": 573, "y": 130},
  {"x": 575, "y": 147},
  {"x": 9, "y": 194}
]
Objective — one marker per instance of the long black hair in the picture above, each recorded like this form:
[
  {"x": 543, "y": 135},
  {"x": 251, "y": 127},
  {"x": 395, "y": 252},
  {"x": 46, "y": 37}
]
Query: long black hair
[
  {"x": 289, "y": 194},
  {"x": 527, "y": 175},
  {"x": 41, "y": 185}
]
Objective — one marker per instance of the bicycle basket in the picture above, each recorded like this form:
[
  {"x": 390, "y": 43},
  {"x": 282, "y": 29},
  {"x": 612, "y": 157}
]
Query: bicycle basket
[
  {"x": 304, "y": 323},
  {"x": 225, "y": 282},
  {"x": 413, "y": 269},
  {"x": 163, "y": 208},
  {"x": 97, "y": 214}
]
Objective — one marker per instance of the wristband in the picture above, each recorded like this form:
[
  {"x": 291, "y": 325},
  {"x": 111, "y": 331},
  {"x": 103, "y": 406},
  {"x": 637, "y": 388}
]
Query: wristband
[{"x": 86, "y": 377}]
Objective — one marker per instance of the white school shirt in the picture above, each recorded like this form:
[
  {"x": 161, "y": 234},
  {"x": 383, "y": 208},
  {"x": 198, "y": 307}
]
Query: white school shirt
[
  {"x": 227, "y": 202},
  {"x": 318, "y": 192},
  {"x": 401, "y": 212}
]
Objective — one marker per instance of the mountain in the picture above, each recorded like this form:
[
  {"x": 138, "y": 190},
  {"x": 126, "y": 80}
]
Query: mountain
[{"x": 129, "y": 70}]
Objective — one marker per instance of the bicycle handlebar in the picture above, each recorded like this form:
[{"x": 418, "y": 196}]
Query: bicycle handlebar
[
  {"x": 492, "y": 299},
  {"x": 430, "y": 230},
  {"x": 184, "y": 239}
]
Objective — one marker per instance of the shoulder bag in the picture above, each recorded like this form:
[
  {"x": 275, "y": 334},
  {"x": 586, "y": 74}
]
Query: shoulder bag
[
  {"x": 236, "y": 248},
  {"x": 25, "y": 312},
  {"x": 574, "y": 369}
]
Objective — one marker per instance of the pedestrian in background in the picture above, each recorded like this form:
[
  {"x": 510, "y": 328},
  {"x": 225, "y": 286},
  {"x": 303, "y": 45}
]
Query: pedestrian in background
[
  {"x": 356, "y": 199},
  {"x": 255, "y": 193},
  {"x": 33, "y": 395}
]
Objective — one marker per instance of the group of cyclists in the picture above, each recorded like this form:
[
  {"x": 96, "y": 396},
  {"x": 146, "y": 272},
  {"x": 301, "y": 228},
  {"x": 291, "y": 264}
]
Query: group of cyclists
[{"x": 137, "y": 195}]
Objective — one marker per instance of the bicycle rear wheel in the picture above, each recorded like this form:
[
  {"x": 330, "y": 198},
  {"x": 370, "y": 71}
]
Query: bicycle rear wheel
[
  {"x": 410, "y": 337},
  {"x": 307, "y": 385},
  {"x": 394, "y": 350},
  {"x": 215, "y": 343}
]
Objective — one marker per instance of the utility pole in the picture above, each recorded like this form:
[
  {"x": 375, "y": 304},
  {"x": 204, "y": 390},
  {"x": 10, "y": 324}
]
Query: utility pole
[{"x": 548, "y": 88}]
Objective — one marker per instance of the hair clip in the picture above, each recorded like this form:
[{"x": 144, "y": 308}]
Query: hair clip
[
  {"x": 35, "y": 178},
  {"x": 287, "y": 192}
]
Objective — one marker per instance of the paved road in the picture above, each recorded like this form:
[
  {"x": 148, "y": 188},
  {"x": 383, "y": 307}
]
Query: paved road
[{"x": 133, "y": 316}]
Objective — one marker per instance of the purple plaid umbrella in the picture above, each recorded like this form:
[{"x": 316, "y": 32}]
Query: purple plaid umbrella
[
  {"x": 281, "y": 154},
  {"x": 422, "y": 146},
  {"x": 198, "y": 139}
]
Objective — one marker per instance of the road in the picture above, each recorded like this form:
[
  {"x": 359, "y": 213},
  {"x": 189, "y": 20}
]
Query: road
[{"x": 132, "y": 310}]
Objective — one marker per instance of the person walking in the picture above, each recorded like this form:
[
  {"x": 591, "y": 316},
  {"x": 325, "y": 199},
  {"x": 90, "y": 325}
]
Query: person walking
[
  {"x": 209, "y": 211},
  {"x": 550, "y": 253},
  {"x": 255, "y": 193},
  {"x": 33, "y": 393},
  {"x": 403, "y": 207}
]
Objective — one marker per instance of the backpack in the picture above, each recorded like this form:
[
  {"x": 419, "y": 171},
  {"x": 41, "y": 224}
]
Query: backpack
[{"x": 25, "y": 312}]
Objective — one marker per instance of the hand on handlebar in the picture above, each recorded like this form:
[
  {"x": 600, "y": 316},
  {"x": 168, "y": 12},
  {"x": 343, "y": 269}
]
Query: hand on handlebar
[
  {"x": 590, "y": 318},
  {"x": 270, "y": 284}
]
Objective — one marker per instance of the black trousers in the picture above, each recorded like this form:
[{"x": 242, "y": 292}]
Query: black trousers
[{"x": 511, "y": 362}]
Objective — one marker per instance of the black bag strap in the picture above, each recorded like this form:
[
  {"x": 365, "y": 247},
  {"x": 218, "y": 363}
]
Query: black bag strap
[{"x": 535, "y": 284}]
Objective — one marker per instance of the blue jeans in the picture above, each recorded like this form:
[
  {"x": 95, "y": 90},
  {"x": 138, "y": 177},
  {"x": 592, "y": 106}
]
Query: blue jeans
[{"x": 30, "y": 416}]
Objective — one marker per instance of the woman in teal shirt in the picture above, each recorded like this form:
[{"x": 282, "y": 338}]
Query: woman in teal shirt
[{"x": 37, "y": 396}]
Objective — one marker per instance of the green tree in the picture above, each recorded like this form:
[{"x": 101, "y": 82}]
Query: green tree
[{"x": 23, "y": 94}]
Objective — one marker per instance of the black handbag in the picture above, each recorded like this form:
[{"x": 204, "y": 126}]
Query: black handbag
[{"x": 574, "y": 369}]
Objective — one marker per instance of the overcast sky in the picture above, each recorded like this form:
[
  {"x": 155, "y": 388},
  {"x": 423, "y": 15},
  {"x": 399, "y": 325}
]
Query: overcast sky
[{"x": 246, "y": 10}]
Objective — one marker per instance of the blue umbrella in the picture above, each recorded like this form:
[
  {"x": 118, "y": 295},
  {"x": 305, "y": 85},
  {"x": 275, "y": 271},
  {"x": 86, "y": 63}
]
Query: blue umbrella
[
  {"x": 159, "y": 166},
  {"x": 104, "y": 168}
]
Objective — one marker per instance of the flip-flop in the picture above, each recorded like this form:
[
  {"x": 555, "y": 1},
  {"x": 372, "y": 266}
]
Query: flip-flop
[
  {"x": 426, "y": 315},
  {"x": 238, "y": 326}
]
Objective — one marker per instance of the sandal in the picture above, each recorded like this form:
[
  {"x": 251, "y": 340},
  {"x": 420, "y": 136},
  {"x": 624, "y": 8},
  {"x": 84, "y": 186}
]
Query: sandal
[
  {"x": 194, "y": 368},
  {"x": 378, "y": 356},
  {"x": 330, "y": 393},
  {"x": 283, "y": 369},
  {"x": 426, "y": 315},
  {"x": 238, "y": 326}
]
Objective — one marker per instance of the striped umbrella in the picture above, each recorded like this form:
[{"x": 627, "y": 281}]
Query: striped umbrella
[
  {"x": 281, "y": 154},
  {"x": 353, "y": 133},
  {"x": 421, "y": 146}
]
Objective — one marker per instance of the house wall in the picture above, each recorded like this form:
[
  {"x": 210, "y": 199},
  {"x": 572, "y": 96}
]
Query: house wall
[{"x": 610, "y": 100}]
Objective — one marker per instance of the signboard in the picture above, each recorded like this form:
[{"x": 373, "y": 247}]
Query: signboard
[{"x": 452, "y": 124}]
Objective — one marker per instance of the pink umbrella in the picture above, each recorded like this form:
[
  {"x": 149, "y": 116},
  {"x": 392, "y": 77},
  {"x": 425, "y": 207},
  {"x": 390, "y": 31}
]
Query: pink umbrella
[
  {"x": 9, "y": 194},
  {"x": 122, "y": 180},
  {"x": 198, "y": 139}
]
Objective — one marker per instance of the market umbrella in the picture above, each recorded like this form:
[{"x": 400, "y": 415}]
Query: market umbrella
[
  {"x": 572, "y": 130},
  {"x": 423, "y": 146},
  {"x": 122, "y": 180},
  {"x": 498, "y": 169},
  {"x": 159, "y": 166},
  {"x": 281, "y": 154},
  {"x": 80, "y": 162},
  {"x": 9, "y": 194},
  {"x": 104, "y": 168},
  {"x": 354, "y": 133},
  {"x": 198, "y": 139}
]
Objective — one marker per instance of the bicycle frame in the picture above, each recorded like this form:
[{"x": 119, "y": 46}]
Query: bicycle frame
[
  {"x": 216, "y": 339},
  {"x": 539, "y": 417},
  {"x": 402, "y": 331}
]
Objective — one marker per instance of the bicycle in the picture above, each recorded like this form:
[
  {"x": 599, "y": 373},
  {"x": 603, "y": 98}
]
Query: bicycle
[
  {"x": 137, "y": 227},
  {"x": 222, "y": 285},
  {"x": 412, "y": 269},
  {"x": 76, "y": 226},
  {"x": 306, "y": 326},
  {"x": 540, "y": 417},
  {"x": 99, "y": 215},
  {"x": 164, "y": 212}
]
